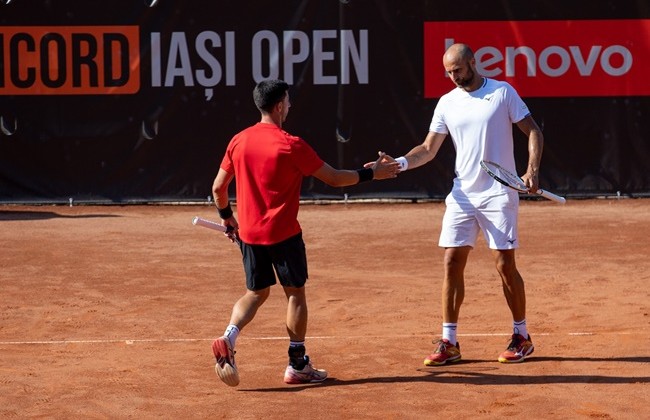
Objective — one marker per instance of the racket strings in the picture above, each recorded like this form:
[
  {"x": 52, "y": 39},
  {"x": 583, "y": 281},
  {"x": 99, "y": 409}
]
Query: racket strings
[
  {"x": 504, "y": 176},
  {"x": 510, "y": 178}
]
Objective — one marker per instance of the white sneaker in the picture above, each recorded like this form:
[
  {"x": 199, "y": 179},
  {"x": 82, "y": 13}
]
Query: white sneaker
[{"x": 304, "y": 376}]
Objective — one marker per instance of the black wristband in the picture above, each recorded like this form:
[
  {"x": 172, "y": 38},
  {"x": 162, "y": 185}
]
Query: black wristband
[
  {"x": 365, "y": 174},
  {"x": 225, "y": 213}
]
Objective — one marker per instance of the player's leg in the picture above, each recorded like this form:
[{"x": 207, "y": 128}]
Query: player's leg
[
  {"x": 258, "y": 267},
  {"x": 246, "y": 307},
  {"x": 290, "y": 262},
  {"x": 521, "y": 346},
  {"x": 259, "y": 279},
  {"x": 300, "y": 369},
  {"x": 513, "y": 284},
  {"x": 297, "y": 313},
  {"x": 453, "y": 292},
  {"x": 499, "y": 223},
  {"x": 458, "y": 236},
  {"x": 223, "y": 348},
  {"x": 453, "y": 286}
]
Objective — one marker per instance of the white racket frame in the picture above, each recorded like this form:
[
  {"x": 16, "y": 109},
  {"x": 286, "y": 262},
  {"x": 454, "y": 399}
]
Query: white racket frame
[{"x": 517, "y": 183}]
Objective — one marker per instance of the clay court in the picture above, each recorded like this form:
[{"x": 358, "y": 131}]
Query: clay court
[{"x": 109, "y": 312}]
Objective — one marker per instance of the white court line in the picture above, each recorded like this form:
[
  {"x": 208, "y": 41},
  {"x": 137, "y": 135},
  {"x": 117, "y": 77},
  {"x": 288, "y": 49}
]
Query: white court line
[{"x": 322, "y": 337}]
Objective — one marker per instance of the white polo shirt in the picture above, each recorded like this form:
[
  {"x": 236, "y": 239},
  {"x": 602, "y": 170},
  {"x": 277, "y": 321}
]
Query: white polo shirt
[{"x": 480, "y": 125}]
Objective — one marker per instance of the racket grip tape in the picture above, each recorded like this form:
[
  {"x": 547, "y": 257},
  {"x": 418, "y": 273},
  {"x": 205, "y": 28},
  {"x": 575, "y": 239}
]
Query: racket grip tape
[{"x": 550, "y": 196}]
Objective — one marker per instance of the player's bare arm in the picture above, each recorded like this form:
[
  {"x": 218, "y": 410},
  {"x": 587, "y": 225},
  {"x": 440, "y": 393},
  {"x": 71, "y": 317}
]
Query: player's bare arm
[
  {"x": 220, "y": 195},
  {"x": 382, "y": 169},
  {"x": 535, "y": 147},
  {"x": 220, "y": 188},
  {"x": 425, "y": 152}
]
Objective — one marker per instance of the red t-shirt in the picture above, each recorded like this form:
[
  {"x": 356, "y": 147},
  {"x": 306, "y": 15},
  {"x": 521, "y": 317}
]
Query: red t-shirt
[{"x": 269, "y": 165}]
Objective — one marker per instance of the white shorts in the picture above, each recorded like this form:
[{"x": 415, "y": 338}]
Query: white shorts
[{"x": 495, "y": 216}]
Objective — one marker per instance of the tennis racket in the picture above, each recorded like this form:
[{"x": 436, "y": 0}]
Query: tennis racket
[
  {"x": 228, "y": 230},
  {"x": 513, "y": 181}
]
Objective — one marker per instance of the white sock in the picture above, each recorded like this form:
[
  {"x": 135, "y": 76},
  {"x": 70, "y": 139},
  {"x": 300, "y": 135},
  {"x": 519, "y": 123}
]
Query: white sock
[
  {"x": 519, "y": 327},
  {"x": 231, "y": 334},
  {"x": 449, "y": 332}
]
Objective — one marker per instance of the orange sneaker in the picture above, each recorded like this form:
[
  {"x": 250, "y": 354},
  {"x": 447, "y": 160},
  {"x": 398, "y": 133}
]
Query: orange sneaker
[
  {"x": 518, "y": 349},
  {"x": 446, "y": 352}
]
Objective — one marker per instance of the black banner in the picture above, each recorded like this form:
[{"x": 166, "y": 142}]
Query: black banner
[{"x": 136, "y": 100}]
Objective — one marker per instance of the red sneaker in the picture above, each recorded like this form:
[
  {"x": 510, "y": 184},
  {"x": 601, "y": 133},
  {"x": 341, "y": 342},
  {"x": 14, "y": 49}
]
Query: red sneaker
[
  {"x": 446, "y": 352},
  {"x": 518, "y": 349}
]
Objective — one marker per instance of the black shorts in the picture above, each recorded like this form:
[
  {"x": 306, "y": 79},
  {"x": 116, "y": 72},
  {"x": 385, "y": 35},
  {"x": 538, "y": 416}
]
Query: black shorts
[{"x": 287, "y": 259}]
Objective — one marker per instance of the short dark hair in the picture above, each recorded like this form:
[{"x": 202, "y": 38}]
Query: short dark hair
[{"x": 267, "y": 93}]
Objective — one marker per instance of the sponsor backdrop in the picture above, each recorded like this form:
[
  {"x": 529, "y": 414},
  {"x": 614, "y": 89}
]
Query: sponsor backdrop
[{"x": 136, "y": 99}]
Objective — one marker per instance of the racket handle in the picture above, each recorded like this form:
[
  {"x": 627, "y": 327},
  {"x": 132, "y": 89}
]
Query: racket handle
[
  {"x": 198, "y": 221},
  {"x": 550, "y": 196},
  {"x": 228, "y": 230}
]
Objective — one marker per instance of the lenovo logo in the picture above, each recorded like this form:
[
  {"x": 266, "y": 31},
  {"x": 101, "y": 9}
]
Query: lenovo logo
[
  {"x": 547, "y": 58},
  {"x": 554, "y": 61}
]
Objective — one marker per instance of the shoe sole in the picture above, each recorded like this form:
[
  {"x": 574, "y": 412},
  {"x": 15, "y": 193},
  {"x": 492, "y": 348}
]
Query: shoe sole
[
  {"x": 298, "y": 382},
  {"x": 228, "y": 373},
  {"x": 434, "y": 363},
  {"x": 294, "y": 379},
  {"x": 301, "y": 381}
]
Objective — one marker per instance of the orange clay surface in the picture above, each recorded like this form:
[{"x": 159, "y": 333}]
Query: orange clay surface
[{"x": 109, "y": 312}]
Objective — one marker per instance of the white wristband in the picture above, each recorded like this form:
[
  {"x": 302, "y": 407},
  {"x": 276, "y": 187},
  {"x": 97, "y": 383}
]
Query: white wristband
[{"x": 403, "y": 163}]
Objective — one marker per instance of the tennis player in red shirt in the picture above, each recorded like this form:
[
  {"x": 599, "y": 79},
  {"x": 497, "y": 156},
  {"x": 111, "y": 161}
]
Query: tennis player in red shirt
[{"x": 269, "y": 165}]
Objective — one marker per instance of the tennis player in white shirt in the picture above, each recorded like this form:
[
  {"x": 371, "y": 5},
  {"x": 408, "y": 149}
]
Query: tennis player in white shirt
[{"x": 479, "y": 114}]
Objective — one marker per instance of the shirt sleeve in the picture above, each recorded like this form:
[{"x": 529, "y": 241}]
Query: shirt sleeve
[
  {"x": 438, "y": 124},
  {"x": 517, "y": 109},
  {"x": 226, "y": 163},
  {"x": 305, "y": 157}
]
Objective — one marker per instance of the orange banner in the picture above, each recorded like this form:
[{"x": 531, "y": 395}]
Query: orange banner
[{"x": 65, "y": 60}]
